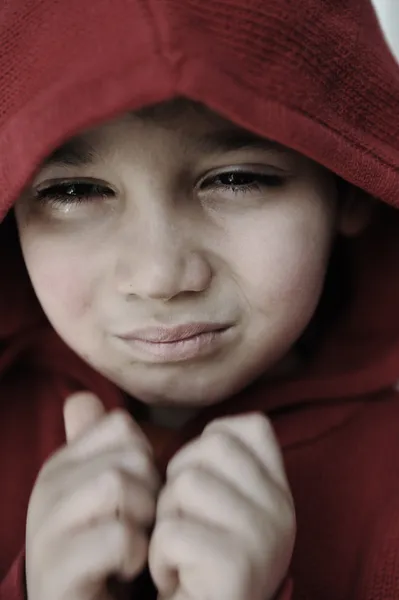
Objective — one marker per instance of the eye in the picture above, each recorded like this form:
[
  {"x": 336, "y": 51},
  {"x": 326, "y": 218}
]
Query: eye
[
  {"x": 241, "y": 181},
  {"x": 73, "y": 192}
]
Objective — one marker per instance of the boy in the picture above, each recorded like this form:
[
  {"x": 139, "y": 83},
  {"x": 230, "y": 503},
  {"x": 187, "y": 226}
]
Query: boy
[{"x": 187, "y": 216}]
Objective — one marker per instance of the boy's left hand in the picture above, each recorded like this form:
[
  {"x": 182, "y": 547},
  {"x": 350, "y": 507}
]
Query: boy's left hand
[{"x": 225, "y": 523}]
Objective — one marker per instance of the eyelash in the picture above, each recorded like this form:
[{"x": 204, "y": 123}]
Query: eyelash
[
  {"x": 57, "y": 194},
  {"x": 252, "y": 181}
]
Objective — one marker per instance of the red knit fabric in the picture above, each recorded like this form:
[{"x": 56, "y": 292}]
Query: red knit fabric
[{"x": 316, "y": 76}]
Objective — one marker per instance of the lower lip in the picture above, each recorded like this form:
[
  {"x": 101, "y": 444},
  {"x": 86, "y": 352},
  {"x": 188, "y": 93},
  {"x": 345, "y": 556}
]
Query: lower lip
[{"x": 196, "y": 346}]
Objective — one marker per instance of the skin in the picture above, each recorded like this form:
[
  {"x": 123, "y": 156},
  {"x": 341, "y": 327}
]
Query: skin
[
  {"x": 217, "y": 534},
  {"x": 172, "y": 243}
]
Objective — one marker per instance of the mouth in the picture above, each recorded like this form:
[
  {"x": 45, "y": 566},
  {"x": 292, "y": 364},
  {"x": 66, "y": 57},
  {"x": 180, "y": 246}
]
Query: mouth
[{"x": 176, "y": 344}]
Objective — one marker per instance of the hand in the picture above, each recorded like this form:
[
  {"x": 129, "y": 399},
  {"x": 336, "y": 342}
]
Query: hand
[
  {"x": 91, "y": 506},
  {"x": 225, "y": 524}
]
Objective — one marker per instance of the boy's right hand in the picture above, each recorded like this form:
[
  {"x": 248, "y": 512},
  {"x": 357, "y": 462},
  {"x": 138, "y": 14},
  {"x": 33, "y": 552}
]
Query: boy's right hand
[{"x": 91, "y": 506}]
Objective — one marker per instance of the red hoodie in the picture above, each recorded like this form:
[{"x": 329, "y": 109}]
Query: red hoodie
[{"x": 316, "y": 76}]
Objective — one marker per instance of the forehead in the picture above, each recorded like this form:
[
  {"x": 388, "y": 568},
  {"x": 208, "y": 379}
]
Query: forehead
[
  {"x": 188, "y": 123},
  {"x": 179, "y": 110}
]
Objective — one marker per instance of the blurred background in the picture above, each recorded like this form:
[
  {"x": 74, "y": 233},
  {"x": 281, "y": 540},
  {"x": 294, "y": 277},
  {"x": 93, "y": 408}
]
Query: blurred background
[{"x": 388, "y": 13}]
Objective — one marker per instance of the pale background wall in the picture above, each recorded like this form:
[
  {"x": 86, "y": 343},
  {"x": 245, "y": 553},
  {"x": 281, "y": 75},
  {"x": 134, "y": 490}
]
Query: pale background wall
[{"x": 388, "y": 12}]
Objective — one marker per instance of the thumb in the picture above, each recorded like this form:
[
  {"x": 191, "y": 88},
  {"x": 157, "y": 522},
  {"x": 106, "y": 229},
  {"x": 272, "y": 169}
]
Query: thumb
[{"x": 81, "y": 411}]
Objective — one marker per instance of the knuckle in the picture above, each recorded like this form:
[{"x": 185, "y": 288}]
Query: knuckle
[
  {"x": 187, "y": 481},
  {"x": 122, "y": 425},
  {"x": 253, "y": 428},
  {"x": 143, "y": 467},
  {"x": 219, "y": 423},
  {"x": 146, "y": 464},
  {"x": 220, "y": 445},
  {"x": 113, "y": 481},
  {"x": 260, "y": 425},
  {"x": 248, "y": 419}
]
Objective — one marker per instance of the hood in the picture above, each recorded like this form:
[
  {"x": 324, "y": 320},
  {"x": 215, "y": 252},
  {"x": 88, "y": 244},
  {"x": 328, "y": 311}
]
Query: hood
[{"x": 316, "y": 76}]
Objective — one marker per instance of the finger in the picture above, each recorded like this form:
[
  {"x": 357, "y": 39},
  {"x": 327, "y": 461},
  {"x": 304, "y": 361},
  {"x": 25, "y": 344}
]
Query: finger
[
  {"x": 81, "y": 411},
  {"x": 186, "y": 555},
  {"x": 136, "y": 463},
  {"x": 113, "y": 495},
  {"x": 226, "y": 456},
  {"x": 83, "y": 562},
  {"x": 205, "y": 496},
  {"x": 255, "y": 432},
  {"x": 62, "y": 479},
  {"x": 116, "y": 430}
]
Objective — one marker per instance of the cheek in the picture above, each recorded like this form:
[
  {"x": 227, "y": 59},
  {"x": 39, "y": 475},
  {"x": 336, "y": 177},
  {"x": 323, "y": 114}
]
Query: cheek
[
  {"x": 62, "y": 280},
  {"x": 281, "y": 262}
]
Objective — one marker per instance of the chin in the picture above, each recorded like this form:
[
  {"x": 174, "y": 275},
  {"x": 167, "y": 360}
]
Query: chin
[
  {"x": 182, "y": 396},
  {"x": 187, "y": 400}
]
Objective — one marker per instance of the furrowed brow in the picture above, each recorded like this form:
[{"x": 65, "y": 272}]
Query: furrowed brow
[{"x": 76, "y": 152}]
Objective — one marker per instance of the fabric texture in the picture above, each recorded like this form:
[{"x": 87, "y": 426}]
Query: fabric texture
[{"x": 314, "y": 75}]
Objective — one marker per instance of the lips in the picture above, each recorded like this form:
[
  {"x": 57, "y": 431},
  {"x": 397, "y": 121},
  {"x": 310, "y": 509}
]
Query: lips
[
  {"x": 169, "y": 335},
  {"x": 186, "y": 342}
]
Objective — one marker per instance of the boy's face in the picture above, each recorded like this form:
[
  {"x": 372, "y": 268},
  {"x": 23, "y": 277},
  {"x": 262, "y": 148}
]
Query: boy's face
[{"x": 174, "y": 223}]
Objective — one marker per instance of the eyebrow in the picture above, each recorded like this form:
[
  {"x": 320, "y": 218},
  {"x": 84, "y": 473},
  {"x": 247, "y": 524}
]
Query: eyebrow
[
  {"x": 230, "y": 140},
  {"x": 76, "y": 152}
]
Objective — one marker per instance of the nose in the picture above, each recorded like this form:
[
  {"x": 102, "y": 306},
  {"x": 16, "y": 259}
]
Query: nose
[{"x": 161, "y": 263}]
